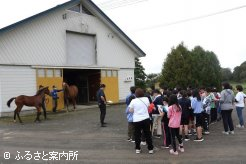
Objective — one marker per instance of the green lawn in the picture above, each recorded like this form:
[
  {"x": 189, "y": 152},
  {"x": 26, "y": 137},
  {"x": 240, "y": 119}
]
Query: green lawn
[{"x": 234, "y": 84}]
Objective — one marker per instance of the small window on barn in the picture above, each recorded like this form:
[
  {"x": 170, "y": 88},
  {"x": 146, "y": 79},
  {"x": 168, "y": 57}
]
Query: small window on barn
[
  {"x": 75, "y": 8},
  {"x": 49, "y": 72},
  {"x": 41, "y": 73},
  {"x": 58, "y": 73},
  {"x": 103, "y": 73},
  {"x": 86, "y": 11},
  {"x": 115, "y": 74},
  {"x": 109, "y": 73}
]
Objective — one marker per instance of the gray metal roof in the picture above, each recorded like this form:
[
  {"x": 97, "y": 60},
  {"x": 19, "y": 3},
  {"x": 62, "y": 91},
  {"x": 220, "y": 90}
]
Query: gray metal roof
[{"x": 98, "y": 12}]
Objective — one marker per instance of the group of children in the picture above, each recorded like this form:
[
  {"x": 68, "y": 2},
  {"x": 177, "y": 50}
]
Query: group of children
[{"x": 178, "y": 114}]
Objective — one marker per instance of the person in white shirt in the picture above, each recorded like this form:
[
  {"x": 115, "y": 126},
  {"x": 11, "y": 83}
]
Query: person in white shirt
[
  {"x": 141, "y": 121},
  {"x": 239, "y": 99}
]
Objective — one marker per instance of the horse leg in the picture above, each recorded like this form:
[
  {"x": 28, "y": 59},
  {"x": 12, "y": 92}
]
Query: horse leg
[
  {"x": 15, "y": 115},
  {"x": 67, "y": 104},
  {"x": 18, "y": 109},
  {"x": 38, "y": 114},
  {"x": 44, "y": 109},
  {"x": 18, "y": 115},
  {"x": 74, "y": 104}
]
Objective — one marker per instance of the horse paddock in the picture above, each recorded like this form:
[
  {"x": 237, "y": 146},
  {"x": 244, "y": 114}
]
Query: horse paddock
[{"x": 79, "y": 133}]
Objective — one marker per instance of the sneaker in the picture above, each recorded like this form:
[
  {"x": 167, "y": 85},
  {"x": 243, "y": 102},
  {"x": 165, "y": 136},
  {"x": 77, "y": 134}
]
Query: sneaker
[
  {"x": 181, "y": 149},
  {"x": 198, "y": 139},
  {"x": 132, "y": 141},
  {"x": 239, "y": 126},
  {"x": 151, "y": 151},
  {"x": 164, "y": 147},
  {"x": 158, "y": 136},
  {"x": 187, "y": 138},
  {"x": 207, "y": 132},
  {"x": 138, "y": 151},
  {"x": 231, "y": 132},
  {"x": 212, "y": 122},
  {"x": 103, "y": 125},
  {"x": 226, "y": 133},
  {"x": 173, "y": 152},
  {"x": 129, "y": 140},
  {"x": 143, "y": 143}
]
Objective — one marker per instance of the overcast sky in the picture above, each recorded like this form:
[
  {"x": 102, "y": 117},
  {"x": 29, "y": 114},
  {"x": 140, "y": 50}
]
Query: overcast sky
[{"x": 147, "y": 23}]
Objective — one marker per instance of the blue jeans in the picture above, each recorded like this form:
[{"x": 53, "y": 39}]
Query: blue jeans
[{"x": 240, "y": 115}]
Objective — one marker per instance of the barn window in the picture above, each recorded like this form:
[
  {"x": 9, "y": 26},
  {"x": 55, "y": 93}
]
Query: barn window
[
  {"x": 58, "y": 73},
  {"x": 86, "y": 11},
  {"x": 103, "y": 73},
  {"x": 109, "y": 73},
  {"x": 49, "y": 72},
  {"x": 41, "y": 73},
  {"x": 75, "y": 8},
  {"x": 115, "y": 74}
]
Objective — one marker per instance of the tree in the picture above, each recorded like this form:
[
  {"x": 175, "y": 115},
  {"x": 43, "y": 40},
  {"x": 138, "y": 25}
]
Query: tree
[
  {"x": 151, "y": 80},
  {"x": 139, "y": 74},
  {"x": 191, "y": 68},
  {"x": 239, "y": 73},
  {"x": 226, "y": 74},
  {"x": 176, "y": 68}
]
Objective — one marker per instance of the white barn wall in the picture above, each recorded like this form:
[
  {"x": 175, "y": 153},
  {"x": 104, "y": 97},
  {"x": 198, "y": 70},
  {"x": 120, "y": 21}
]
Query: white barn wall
[
  {"x": 1, "y": 106},
  {"x": 39, "y": 42},
  {"x": 43, "y": 41},
  {"x": 124, "y": 87},
  {"x": 15, "y": 81}
]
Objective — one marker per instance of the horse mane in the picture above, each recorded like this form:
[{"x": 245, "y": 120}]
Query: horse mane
[{"x": 40, "y": 91}]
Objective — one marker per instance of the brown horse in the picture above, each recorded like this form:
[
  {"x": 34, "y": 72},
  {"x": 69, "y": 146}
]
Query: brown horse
[
  {"x": 70, "y": 94},
  {"x": 35, "y": 101}
]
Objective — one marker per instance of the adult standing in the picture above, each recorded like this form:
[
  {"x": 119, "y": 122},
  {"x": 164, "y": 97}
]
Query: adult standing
[
  {"x": 240, "y": 96},
  {"x": 55, "y": 97},
  {"x": 158, "y": 101},
  {"x": 227, "y": 102},
  {"x": 141, "y": 120},
  {"x": 101, "y": 99},
  {"x": 129, "y": 115}
]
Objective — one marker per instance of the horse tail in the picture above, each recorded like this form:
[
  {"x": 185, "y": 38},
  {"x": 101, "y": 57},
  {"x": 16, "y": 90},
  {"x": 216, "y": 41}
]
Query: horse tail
[{"x": 10, "y": 101}]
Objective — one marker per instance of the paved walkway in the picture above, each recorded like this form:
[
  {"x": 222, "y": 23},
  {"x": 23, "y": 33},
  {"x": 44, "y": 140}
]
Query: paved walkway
[{"x": 80, "y": 131}]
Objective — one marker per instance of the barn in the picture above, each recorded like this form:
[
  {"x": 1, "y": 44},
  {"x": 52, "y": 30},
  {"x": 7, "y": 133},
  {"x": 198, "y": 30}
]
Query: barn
[{"x": 74, "y": 42}]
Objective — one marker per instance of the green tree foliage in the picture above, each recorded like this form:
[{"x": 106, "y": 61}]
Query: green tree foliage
[
  {"x": 151, "y": 80},
  {"x": 226, "y": 74},
  {"x": 139, "y": 74},
  {"x": 196, "y": 68},
  {"x": 239, "y": 73}
]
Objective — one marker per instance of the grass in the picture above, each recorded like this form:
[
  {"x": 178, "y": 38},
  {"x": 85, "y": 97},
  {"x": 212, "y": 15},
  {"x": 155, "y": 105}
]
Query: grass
[{"x": 234, "y": 84}]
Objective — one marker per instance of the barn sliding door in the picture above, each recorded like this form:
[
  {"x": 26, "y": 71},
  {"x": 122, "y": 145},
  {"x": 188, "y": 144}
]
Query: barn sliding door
[
  {"x": 49, "y": 77},
  {"x": 81, "y": 49}
]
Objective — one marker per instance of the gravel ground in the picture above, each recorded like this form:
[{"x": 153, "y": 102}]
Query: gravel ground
[{"x": 80, "y": 133}]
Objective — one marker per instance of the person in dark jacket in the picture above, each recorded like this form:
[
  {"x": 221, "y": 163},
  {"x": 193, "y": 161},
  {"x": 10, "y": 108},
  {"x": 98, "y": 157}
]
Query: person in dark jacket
[
  {"x": 101, "y": 99},
  {"x": 158, "y": 101}
]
